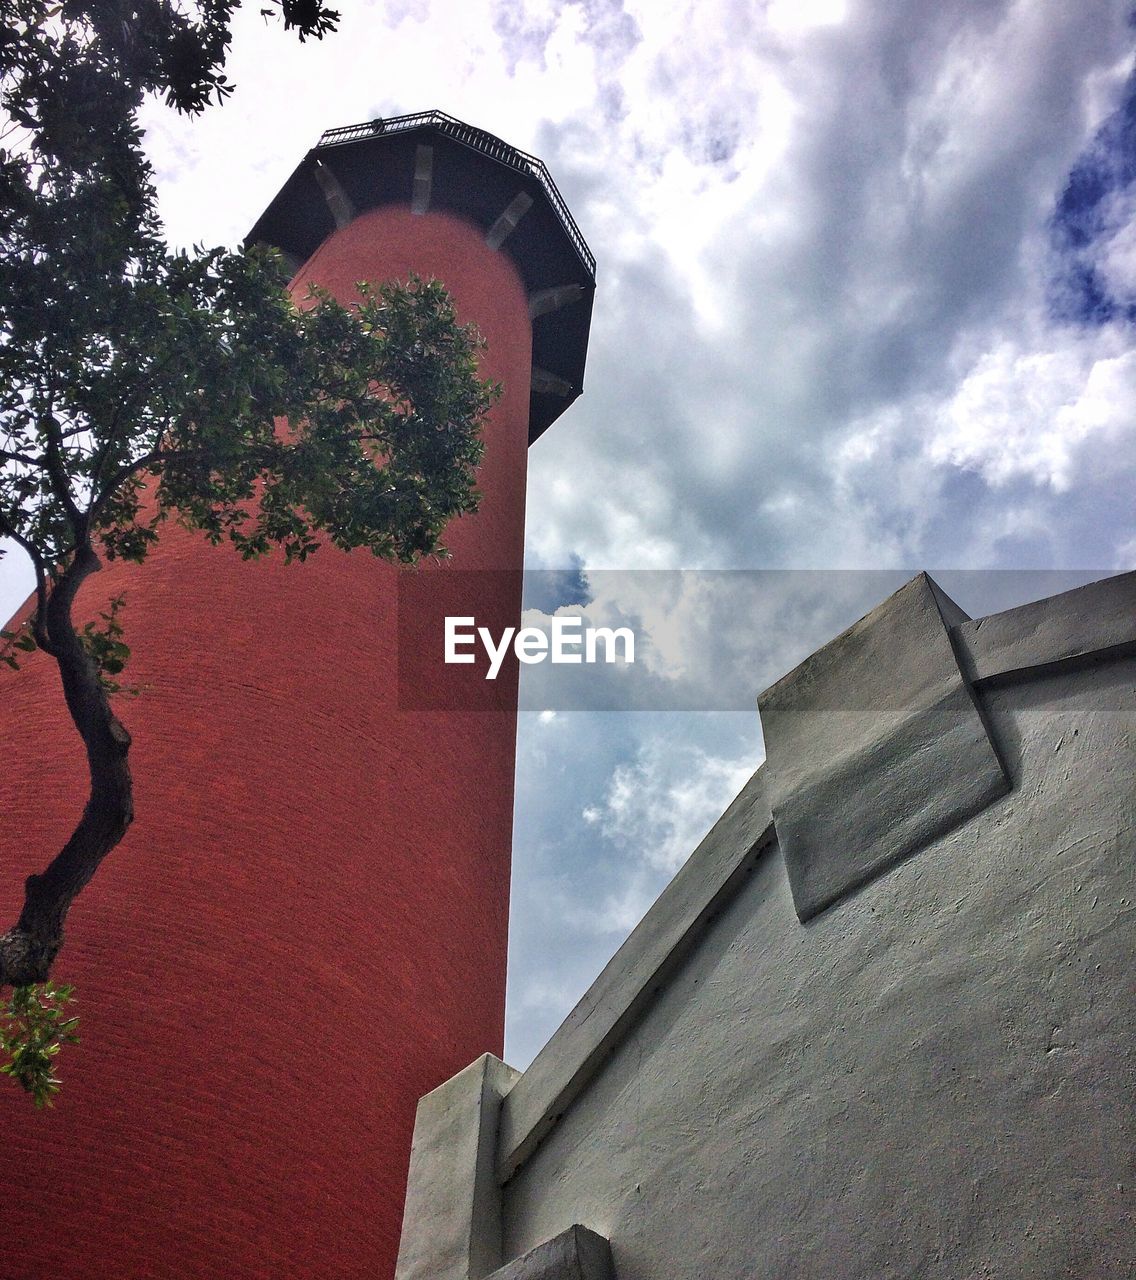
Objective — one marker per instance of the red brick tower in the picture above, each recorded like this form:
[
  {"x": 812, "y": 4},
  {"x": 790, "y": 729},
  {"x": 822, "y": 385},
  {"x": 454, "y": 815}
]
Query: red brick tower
[{"x": 305, "y": 930}]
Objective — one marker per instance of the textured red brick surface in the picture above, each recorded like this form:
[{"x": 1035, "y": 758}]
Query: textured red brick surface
[{"x": 306, "y": 927}]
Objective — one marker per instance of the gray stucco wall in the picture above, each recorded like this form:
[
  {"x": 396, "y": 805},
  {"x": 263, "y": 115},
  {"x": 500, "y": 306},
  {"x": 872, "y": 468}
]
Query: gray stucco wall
[{"x": 934, "y": 1078}]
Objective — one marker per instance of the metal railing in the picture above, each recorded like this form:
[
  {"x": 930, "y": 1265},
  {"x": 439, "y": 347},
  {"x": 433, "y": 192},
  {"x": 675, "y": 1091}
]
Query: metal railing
[{"x": 480, "y": 141}]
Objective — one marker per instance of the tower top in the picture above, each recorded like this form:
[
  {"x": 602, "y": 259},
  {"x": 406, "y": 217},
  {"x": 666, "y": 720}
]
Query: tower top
[{"x": 432, "y": 162}]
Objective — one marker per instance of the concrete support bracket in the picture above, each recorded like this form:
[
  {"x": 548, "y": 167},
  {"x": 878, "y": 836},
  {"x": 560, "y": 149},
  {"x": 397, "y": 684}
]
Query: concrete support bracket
[
  {"x": 545, "y": 301},
  {"x": 423, "y": 178},
  {"x": 549, "y": 384},
  {"x": 875, "y": 746},
  {"x": 451, "y": 1226},
  {"x": 506, "y": 224},
  {"x": 575, "y": 1254},
  {"x": 337, "y": 200}
]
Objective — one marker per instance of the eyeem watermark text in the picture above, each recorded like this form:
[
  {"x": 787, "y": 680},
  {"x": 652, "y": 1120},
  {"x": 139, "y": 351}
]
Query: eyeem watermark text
[{"x": 569, "y": 642}]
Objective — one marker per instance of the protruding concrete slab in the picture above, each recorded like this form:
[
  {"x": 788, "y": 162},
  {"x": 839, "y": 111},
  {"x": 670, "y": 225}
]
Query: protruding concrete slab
[
  {"x": 451, "y": 1227},
  {"x": 1092, "y": 623},
  {"x": 575, "y": 1254},
  {"x": 874, "y": 747}
]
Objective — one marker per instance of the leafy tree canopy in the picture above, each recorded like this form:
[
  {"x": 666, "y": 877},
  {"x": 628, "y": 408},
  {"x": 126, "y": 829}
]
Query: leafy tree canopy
[{"x": 138, "y": 383}]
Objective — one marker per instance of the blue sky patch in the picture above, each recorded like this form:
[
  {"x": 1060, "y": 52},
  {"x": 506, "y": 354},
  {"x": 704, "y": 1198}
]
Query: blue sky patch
[{"x": 1087, "y": 216}]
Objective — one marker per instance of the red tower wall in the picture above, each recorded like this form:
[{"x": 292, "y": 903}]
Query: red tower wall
[{"x": 306, "y": 927}]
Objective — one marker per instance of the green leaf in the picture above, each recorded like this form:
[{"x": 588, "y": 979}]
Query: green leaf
[{"x": 32, "y": 1035}]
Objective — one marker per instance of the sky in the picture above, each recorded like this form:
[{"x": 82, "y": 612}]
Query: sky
[{"x": 866, "y": 288}]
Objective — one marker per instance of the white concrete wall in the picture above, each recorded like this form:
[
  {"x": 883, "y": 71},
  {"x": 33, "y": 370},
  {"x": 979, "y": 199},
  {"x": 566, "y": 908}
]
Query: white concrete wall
[{"x": 934, "y": 1078}]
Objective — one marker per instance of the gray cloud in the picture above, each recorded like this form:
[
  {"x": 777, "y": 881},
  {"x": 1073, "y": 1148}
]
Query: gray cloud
[{"x": 929, "y": 144}]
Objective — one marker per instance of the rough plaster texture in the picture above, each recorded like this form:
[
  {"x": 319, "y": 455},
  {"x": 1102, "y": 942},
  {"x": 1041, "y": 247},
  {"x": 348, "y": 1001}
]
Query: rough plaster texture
[
  {"x": 874, "y": 746},
  {"x": 934, "y": 1079},
  {"x": 452, "y": 1221}
]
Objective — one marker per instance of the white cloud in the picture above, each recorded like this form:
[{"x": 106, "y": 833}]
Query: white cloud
[
  {"x": 663, "y": 803},
  {"x": 1023, "y": 413},
  {"x": 796, "y": 17},
  {"x": 655, "y": 811}
]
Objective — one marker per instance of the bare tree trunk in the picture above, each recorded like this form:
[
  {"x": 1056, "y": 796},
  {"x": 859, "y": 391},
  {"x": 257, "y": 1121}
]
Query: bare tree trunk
[{"x": 28, "y": 949}]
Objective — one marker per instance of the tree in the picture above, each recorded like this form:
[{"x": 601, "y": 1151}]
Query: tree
[{"x": 137, "y": 383}]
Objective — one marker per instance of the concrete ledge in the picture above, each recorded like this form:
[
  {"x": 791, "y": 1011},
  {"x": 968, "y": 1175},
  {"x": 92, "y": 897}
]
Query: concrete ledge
[
  {"x": 875, "y": 747},
  {"x": 575, "y": 1254},
  {"x": 1095, "y": 622},
  {"x": 451, "y": 1227},
  {"x": 707, "y": 880}
]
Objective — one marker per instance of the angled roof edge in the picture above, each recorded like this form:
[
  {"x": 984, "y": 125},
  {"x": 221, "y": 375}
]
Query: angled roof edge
[{"x": 1091, "y": 624}]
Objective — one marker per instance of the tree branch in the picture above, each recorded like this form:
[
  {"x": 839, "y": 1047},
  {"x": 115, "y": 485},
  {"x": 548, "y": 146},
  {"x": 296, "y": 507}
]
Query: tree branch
[
  {"x": 6, "y": 455},
  {"x": 145, "y": 463},
  {"x": 57, "y": 474},
  {"x": 28, "y": 949}
]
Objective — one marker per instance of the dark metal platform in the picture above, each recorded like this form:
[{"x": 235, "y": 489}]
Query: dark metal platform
[{"x": 476, "y": 176}]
